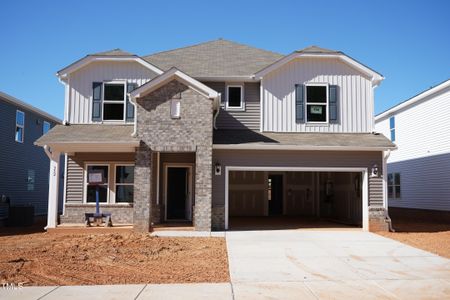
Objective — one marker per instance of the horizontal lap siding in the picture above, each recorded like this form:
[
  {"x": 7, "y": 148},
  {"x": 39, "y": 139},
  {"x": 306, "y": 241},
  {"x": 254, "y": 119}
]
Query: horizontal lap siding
[
  {"x": 80, "y": 84},
  {"x": 75, "y": 171},
  {"x": 355, "y": 96},
  {"x": 329, "y": 159},
  {"x": 250, "y": 118}
]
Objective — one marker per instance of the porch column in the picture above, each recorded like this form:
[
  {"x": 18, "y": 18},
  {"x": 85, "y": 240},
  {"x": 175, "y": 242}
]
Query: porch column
[
  {"x": 142, "y": 189},
  {"x": 53, "y": 188},
  {"x": 203, "y": 188}
]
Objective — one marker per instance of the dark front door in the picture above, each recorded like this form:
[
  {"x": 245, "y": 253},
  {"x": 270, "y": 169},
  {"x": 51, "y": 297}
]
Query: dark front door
[
  {"x": 177, "y": 192},
  {"x": 275, "y": 195}
]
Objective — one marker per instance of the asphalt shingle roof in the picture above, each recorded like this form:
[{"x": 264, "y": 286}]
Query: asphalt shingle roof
[
  {"x": 250, "y": 137},
  {"x": 218, "y": 58},
  {"x": 87, "y": 133}
]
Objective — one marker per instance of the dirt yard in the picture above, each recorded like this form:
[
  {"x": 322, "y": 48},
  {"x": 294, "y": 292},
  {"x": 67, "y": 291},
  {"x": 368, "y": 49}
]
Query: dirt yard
[
  {"x": 67, "y": 259},
  {"x": 427, "y": 230}
]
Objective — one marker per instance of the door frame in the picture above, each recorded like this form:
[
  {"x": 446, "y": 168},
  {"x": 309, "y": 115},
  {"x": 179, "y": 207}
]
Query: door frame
[
  {"x": 365, "y": 184},
  {"x": 188, "y": 166}
]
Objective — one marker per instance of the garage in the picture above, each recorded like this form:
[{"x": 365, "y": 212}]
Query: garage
[{"x": 294, "y": 198}]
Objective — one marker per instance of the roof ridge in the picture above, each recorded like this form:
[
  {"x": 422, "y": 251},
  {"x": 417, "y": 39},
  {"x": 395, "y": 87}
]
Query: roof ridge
[{"x": 211, "y": 41}]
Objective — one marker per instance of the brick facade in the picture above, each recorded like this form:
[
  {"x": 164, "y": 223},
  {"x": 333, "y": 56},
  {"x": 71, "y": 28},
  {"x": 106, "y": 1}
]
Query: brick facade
[
  {"x": 74, "y": 213},
  {"x": 192, "y": 132}
]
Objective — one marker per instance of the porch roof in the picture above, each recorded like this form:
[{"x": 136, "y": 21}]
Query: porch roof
[
  {"x": 75, "y": 138},
  {"x": 249, "y": 139}
]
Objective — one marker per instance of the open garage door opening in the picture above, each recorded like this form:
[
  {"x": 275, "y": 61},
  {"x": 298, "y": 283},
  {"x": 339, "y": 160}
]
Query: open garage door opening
[{"x": 294, "y": 199}]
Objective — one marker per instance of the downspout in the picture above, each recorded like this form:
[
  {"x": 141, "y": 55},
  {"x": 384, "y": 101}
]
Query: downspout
[
  {"x": 386, "y": 155},
  {"x": 47, "y": 151},
  {"x": 66, "y": 100},
  {"x": 217, "y": 101},
  {"x": 135, "y": 115}
]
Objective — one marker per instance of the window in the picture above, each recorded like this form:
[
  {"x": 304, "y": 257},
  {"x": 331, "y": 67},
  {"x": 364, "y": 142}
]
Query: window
[
  {"x": 113, "y": 101},
  {"x": 235, "y": 97},
  {"x": 392, "y": 128},
  {"x": 103, "y": 188},
  {"x": 124, "y": 183},
  {"x": 20, "y": 126},
  {"x": 45, "y": 127},
  {"x": 394, "y": 186},
  {"x": 317, "y": 103},
  {"x": 175, "y": 108}
]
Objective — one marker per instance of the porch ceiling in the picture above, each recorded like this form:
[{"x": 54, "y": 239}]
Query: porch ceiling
[
  {"x": 90, "y": 137},
  {"x": 249, "y": 139}
]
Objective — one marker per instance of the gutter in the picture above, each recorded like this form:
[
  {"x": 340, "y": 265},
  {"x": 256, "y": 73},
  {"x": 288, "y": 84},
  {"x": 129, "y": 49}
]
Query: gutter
[{"x": 296, "y": 147}]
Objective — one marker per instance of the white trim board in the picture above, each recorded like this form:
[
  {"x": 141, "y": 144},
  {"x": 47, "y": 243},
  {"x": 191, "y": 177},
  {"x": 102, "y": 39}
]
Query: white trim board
[{"x": 365, "y": 185}]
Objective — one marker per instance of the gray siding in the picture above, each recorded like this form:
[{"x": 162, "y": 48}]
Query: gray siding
[
  {"x": 250, "y": 118},
  {"x": 16, "y": 159},
  {"x": 262, "y": 158}
]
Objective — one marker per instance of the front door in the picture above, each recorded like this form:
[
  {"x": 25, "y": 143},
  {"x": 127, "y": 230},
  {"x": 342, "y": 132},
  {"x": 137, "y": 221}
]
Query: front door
[
  {"x": 177, "y": 189},
  {"x": 275, "y": 195}
]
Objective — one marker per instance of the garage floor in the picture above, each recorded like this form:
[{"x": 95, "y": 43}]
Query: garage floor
[
  {"x": 284, "y": 222},
  {"x": 345, "y": 264}
]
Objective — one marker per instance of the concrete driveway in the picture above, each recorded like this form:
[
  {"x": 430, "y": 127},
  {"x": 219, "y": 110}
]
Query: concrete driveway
[{"x": 295, "y": 264}]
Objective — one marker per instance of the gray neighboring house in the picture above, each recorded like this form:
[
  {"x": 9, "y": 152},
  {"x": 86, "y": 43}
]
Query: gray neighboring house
[
  {"x": 24, "y": 167},
  {"x": 220, "y": 133}
]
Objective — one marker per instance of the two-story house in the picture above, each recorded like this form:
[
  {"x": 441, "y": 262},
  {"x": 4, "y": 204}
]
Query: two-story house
[
  {"x": 23, "y": 166},
  {"x": 419, "y": 171},
  {"x": 220, "y": 132}
]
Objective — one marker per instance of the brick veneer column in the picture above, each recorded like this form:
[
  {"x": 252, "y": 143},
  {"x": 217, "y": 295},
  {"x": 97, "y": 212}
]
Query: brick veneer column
[
  {"x": 142, "y": 189},
  {"x": 203, "y": 188}
]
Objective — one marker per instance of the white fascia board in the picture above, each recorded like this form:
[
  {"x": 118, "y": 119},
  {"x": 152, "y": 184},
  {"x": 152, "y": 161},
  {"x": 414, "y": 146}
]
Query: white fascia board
[
  {"x": 295, "y": 147},
  {"x": 62, "y": 74},
  {"x": 412, "y": 101},
  {"x": 94, "y": 147},
  {"x": 29, "y": 107},
  {"x": 376, "y": 78},
  {"x": 170, "y": 75}
]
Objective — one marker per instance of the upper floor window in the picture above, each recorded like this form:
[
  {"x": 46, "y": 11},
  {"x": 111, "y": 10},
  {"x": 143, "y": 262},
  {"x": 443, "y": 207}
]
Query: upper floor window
[
  {"x": 235, "y": 97},
  {"x": 20, "y": 126},
  {"x": 114, "y": 101},
  {"x": 316, "y": 103},
  {"x": 392, "y": 128},
  {"x": 175, "y": 108},
  {"x": 394, "y": 186},
  {"x": 45, "y": 127}
]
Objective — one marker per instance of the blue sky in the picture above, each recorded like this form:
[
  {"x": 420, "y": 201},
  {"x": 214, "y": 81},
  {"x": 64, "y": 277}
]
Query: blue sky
[{"x": 406, "y": 41}]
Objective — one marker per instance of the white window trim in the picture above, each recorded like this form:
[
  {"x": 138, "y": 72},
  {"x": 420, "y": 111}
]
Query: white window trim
[
  {"x": 20, "y": 126},
  {"x": 111, "y": 198},
  {"x": 327, "y": 104},
  {"x": 43, "y": 126},
  {"x": 119, "y": 184},
  {"x": 394, "y": 185},
  {"x": 235, "y": 108},
  {"x": 86, "y": 166},
  {"x": 114, "y": 101},
  {"x": 392, "y": 129}
]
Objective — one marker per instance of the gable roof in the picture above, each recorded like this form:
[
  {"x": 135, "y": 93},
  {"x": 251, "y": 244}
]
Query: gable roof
[
  {"x": 411, "y": 101},
  {"x": 20, "y": 103},
  {"x": 110, "y": 55},
  {"x": 217, "y": 58},
  {"x": 314, "y": 51},
  {"x": 170, "y": 75}
]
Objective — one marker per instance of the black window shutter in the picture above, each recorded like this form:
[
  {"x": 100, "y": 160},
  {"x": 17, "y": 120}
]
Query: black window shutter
[
  {"x": 299, "y": 103},
  {"x": 130, "y": 107},
  {"x": 97, "y": 101},
  {"x": 333, "y": 102}
]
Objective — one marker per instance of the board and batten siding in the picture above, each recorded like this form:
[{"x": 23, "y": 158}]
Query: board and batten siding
[
  {"x": 232, "y": 119},
  {"x": 422, "y": 133},
  {"x": 312, "y": 159},
  {"x": 355, "y": 96},
  {"x": 80, "y": 85}
]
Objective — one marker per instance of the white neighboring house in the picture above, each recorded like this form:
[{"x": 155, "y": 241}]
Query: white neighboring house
[{"x": 419, "y": 171}]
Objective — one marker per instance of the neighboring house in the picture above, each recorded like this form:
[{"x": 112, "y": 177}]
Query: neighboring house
[
  {"x": 419, "y": 171},
  {"x": 23, "y": 166},
  {"x": 217, "y": 132}
]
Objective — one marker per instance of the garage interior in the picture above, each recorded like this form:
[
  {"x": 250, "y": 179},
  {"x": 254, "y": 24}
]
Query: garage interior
[{"x": 294, "y": 200}]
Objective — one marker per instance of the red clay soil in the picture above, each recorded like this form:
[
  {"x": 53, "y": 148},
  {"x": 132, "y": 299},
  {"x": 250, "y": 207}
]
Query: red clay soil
[
  {"x": 424, "y": 229},
  {"x": 115, "y": 258}
]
